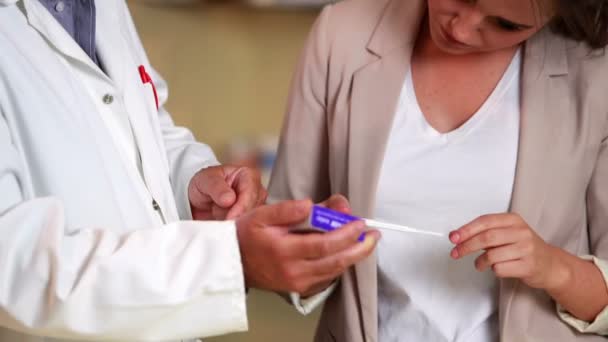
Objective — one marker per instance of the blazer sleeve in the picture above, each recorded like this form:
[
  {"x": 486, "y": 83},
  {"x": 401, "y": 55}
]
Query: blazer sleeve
[
  {"x": 301, "y": 168},
  {"x": 597, "y": 212}
]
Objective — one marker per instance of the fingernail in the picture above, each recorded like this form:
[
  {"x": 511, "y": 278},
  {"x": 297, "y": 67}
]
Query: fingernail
[
  {"x": 369, "y": 240},
  {"x": 454, "y": 254},
  {"x": 455, "y": 237}
]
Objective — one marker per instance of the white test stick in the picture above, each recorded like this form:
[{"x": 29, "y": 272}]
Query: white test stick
[{"x": 399, "y": 228}]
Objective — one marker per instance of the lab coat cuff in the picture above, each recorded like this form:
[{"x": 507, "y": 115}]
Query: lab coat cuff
[
  {"x": 230, "y": 291},
  {"x": 600, "y": 324},
  {"x": 307, "y": 305}
]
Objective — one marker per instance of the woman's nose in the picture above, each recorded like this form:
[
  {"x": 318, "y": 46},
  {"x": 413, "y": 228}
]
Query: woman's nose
[{"x": 465, "y": 26}]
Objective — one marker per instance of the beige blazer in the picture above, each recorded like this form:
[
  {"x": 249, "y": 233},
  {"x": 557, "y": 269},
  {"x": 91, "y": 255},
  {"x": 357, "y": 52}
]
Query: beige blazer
[{"x": 340, "y": 111}]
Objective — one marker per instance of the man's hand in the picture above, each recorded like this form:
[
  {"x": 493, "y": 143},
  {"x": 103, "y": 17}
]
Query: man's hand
[
  {"x": 275, "y": 259},
  {"x": 225, "y": 192},
  {"x": 341, "y": 204}
]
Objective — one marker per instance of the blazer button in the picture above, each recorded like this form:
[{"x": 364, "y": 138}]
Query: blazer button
[{"x": 108, "y": 99}]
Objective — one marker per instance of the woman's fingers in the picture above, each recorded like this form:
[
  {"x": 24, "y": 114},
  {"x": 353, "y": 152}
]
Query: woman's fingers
[
  {"x": 494, "y": 256},
  {"x": 486, "y": 239},
  {"x": 481, "y": 224},
  {"x": 510, "y": 269}
]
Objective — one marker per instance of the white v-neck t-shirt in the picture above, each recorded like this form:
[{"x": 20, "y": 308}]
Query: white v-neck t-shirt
[{"x": 438, "y": 182}]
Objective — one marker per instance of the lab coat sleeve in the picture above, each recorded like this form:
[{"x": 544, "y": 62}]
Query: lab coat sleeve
[
  {"x": 301, "y": 169},
  {"x": 185, "y": 156},
  {"x": 183, "y": 280},
  {"x": 597, "y": 213}
]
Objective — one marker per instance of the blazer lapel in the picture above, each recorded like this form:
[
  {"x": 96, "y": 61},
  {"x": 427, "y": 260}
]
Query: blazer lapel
[
  {"x": 375, "y": 92},
  {"x": 544, "y": 97}
]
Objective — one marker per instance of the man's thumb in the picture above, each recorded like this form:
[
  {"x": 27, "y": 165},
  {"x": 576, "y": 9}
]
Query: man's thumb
[
  {"x": 212, "y": 185},
  {"x": 285, "y": 213}
]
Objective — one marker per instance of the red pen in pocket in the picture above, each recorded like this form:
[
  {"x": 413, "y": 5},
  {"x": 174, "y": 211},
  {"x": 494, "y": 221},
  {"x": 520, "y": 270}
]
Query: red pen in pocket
[{"x": 145, "y": 78}]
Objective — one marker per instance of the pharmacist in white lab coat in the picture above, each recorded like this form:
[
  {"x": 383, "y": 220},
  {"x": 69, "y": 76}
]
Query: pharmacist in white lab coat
[{"x": 97, "y": 186}]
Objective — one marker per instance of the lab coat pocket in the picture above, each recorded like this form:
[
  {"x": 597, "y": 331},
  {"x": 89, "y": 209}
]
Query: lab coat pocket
[
  {"x": 147, "y": 81},
  {"x": 149, "y": 97}
]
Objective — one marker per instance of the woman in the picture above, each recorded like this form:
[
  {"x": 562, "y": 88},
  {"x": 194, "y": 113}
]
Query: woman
[{"x": 482, "y": 120}]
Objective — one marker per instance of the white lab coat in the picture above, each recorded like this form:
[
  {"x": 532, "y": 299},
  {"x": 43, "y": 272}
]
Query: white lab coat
[{"x": 82, "y": 253}]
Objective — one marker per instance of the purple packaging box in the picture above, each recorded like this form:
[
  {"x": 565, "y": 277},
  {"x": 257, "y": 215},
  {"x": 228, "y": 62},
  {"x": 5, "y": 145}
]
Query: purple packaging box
[{"x": 326, "y": 220}]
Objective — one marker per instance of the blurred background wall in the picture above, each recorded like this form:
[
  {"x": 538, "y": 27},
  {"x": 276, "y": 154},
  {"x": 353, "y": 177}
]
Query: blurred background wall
[{"x": 228, "y": 65}]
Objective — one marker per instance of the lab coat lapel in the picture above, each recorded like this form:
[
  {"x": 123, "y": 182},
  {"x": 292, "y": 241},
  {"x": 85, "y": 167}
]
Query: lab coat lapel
[
  {"x": 544, "y": 97},
  {"x": 121, "y": 62},
  {"x": 375, "y": 92},
  {"x": 56, "y": 36},
  {"x": 79, "y": 112},
  {"x": 111, "y": 47}
]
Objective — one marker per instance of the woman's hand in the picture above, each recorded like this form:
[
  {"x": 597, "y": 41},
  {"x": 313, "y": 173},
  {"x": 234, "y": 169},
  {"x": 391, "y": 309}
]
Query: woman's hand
[{"x": 512, "y": 249}]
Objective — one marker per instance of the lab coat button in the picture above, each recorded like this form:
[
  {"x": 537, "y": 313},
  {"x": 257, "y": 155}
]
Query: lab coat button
[
  {"x": 108, "y": 99},
  {"x": 60, "y": 6}
]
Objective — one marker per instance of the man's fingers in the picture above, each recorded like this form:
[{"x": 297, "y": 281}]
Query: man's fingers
[
  {"x": 337, "y": 202},
  {"x": 219, "y": 213},
  {"x": 317, "y": 246},
  {"x": 263, "y": 197},
  {"x": 285, "y": 213},
  {"x": 212, "y": 183},
  {"x": 248, "y": 187},
  {"x": 198, "y": 199},
  {"x": 311, "y": 276},
  {"x": 333, "y": 266},
  {"x": 233, "y": 175},
  {"x": 202, "y": 215}
]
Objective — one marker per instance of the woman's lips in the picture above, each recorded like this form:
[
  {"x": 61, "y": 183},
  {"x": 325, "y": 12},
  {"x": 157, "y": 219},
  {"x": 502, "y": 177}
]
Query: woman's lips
[{"x": 451, "y": 40}]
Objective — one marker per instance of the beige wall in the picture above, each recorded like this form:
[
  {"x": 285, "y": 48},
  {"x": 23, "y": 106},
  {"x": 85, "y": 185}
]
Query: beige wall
[
  {"x": 228, "y": 69},
  {"x": 228, "y": 66}
]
